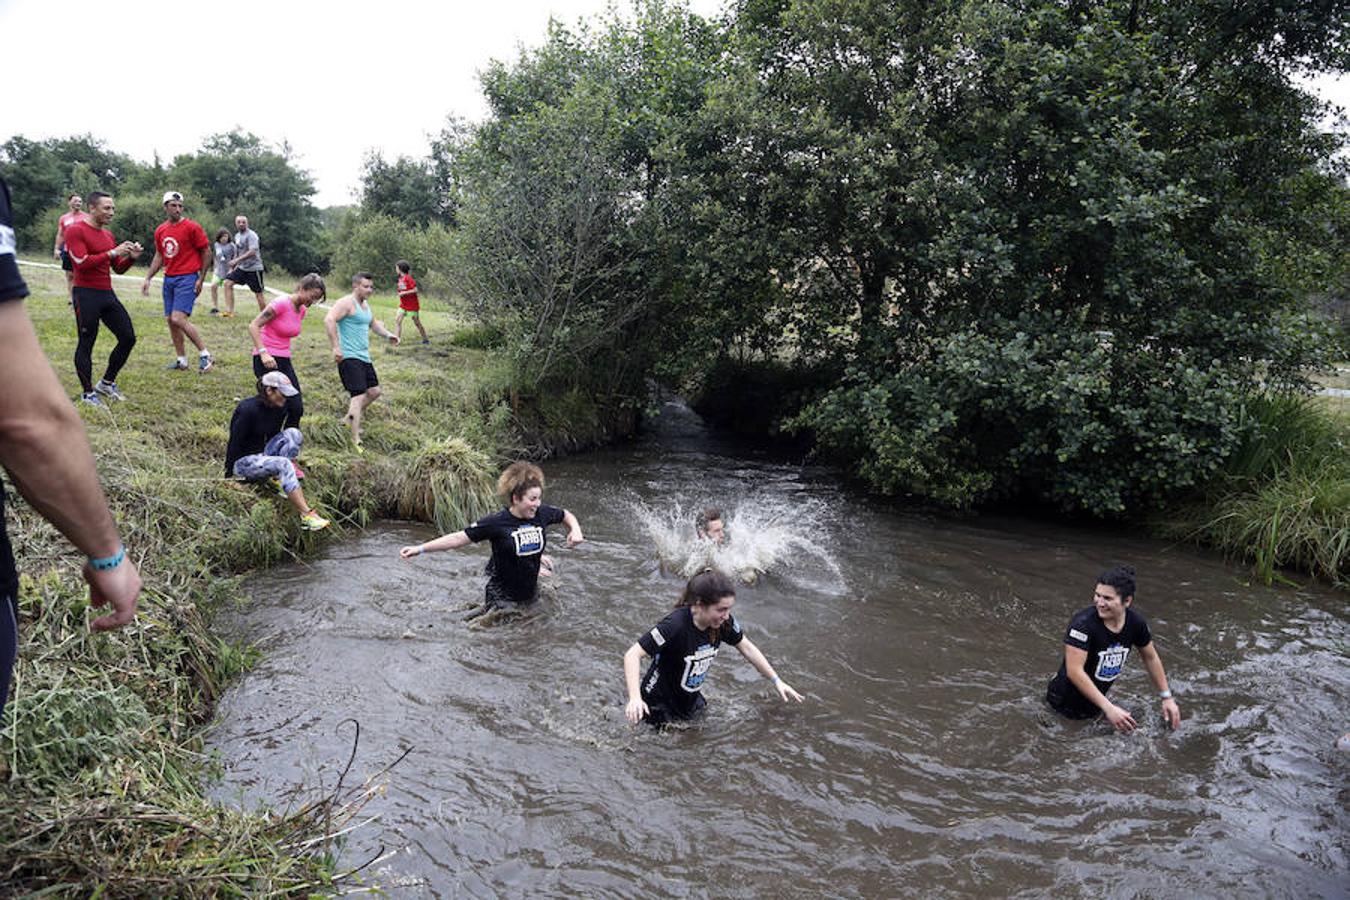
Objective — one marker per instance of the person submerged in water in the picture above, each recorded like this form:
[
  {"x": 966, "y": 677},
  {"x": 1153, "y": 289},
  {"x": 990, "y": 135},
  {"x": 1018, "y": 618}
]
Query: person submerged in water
[
  {"x": 711, "y": 525},
  {"x": 682, "y": 647},
  {"x": 1095, "y": 647},
  {"x": 519, "y": 537}
]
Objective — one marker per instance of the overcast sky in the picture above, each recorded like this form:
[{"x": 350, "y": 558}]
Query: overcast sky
[{"x": 334, "y": 79}]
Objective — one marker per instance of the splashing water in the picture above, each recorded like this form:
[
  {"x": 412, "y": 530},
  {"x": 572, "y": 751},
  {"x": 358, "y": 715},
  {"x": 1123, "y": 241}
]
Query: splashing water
[{"x": 765, "y": 533}]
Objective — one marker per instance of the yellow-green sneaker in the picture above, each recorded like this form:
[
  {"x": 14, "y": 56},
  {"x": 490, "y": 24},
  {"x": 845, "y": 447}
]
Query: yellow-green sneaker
[{"x": 312, "y": 521}]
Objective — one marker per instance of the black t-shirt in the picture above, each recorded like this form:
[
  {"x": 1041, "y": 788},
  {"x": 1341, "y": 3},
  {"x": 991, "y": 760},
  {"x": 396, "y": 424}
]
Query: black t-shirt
[
  {"x": 682, "y": 655},
  {"x": 12, "y": 287},
  {"x": 253, "y": 424},
  {"x": 1106, "y": 653},
  {"x": 517, "y": 544}
]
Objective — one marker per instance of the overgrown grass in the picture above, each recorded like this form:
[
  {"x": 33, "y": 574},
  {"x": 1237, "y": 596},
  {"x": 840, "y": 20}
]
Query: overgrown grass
[
  {"x": 101, "y": 739},
  {"x": 1284, "y": 499}
]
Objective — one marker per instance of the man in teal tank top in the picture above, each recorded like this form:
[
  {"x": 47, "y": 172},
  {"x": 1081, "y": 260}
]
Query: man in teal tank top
[{"x": 349, "y": 324}]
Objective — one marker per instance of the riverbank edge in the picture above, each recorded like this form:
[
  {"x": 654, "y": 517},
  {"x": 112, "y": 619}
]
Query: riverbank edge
[
  {"x": 101, "y": 753},
  {"x": 1287, "y": 519}
]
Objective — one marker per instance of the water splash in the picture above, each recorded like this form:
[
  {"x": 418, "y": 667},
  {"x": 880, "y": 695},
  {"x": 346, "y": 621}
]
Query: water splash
[{"x": 765, "y": 533}]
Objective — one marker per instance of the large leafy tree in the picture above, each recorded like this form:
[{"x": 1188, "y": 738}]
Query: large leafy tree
[
  {"x": 41, "y": 174},
  {"x": 1046, "y": 247},
  {"x": 407, "y": 190}
]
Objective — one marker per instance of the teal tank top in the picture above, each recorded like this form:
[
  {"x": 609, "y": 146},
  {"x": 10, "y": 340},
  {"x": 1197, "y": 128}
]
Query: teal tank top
[{"x": 354, "y": 333}]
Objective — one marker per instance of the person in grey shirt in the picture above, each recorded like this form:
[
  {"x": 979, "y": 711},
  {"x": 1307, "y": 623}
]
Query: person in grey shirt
[{"x": 247, "y": 266}]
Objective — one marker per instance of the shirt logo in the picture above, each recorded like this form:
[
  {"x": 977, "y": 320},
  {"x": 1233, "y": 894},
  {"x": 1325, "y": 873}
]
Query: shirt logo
[
  {"x": 529, "y": 540},
  {"x": 1077, "y": 635},
  {"x": 1111, "y": 662},
  {"x": 170, "y": 248},
  {"x": 696, "y": 667}
]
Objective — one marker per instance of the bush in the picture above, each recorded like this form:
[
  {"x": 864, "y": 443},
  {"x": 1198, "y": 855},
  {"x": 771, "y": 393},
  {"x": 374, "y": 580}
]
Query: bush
[{"x": 1038, "y": 406}]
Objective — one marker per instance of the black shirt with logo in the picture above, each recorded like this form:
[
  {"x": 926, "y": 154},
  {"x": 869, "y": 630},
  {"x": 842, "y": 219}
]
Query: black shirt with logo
[
  {"x": 517, "y": 545},
  {"x": 682, "y": 654},
  {"x": 1106, "y": 653}
]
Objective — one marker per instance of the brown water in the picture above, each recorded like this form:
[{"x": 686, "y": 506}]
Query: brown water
[{"x": 922, "y": 763}]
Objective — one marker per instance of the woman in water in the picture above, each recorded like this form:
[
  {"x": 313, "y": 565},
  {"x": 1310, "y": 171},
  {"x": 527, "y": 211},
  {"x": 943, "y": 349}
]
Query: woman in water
[
  {"x": 1095, "y": 646},
  {"x": 518, "y": 539},
  {"x": 683, "y": 645}
]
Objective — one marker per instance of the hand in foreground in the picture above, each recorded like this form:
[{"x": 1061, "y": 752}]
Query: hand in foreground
[
  {"x": 197, "y": 288},
  {"x": 394, "y": 339},
  {"x": 574, "y": 537},
  {"x": 337, "y": 355},
  {"x": 1171, "y": 713},
  {"x": 267, "y": 361},
  {"x": 145, "y": 288},
  {"x": 1120, "y": 719},
  {"x": 119, "y": 587},
  {"x": 410, "y": 551},
  {"x": 785, "y": 691},
  {"x": 636, "y": 710}
]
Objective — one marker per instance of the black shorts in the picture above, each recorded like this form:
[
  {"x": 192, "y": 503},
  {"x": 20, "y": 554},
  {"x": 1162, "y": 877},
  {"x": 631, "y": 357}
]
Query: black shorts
[
  {"x": 358, "y": 376},
  {"x": 65, "y": 260},
  {"x": 253, "y": 280},
  {"x": 659, "y": 715}
]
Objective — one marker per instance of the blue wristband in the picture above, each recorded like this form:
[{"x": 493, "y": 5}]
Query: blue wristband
[{"x": 104, "y": 563}]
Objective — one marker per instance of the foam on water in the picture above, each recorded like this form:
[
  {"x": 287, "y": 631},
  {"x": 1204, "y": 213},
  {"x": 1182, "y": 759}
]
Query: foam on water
[{"x": 766, "y": 533}]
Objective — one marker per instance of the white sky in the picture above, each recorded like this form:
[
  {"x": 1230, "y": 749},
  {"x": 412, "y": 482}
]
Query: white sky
[{"x": 335, "y": 78}]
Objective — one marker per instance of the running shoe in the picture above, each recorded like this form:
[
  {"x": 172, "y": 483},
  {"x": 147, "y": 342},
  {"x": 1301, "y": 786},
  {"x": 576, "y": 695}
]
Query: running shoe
[
  {"x": 312, "y": 521},
  {"x": 227, "y": 315},
  {"x": 177, "y": 366},
  {"x": 426, "y": 341},
  {"x": 109, "y": 389},
  {"x": 214, "y": 311},
  {"x": 205, "y": 364},
  {"x": 93, "y": 400}
]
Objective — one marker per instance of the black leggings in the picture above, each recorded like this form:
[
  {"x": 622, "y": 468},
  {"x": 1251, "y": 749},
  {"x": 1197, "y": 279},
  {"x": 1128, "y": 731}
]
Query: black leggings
[
  {"x": 9, "y": 640},
  {"x": 91, "y": 307},
  {"x": 295, "y": 406}
]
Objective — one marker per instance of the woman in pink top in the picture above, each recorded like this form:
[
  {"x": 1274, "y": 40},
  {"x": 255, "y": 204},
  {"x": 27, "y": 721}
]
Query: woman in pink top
[{"x": 272, "y": 331}]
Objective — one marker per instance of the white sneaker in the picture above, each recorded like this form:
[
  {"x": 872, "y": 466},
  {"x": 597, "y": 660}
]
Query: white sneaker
[{"x": 109, "y": 389}]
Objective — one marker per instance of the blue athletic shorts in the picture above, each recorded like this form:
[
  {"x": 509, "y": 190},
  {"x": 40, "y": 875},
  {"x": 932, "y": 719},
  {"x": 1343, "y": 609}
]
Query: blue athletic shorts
[{"x": 179, "y": 295}]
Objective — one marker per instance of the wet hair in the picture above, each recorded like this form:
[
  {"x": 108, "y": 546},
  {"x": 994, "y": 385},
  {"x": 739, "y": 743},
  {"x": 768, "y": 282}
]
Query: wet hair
[
  {"x": 706, "y": 515},
  {"x": 518, "y": 478},
  {"x": 1121, "y": 578},
  {"x": 312, "y": 282},
  {"x": 222, "y": 233},
  {"x": 95, "y": 196},
  {"x": 402, "y": 266},
  {"x": 705, "y": 589}
]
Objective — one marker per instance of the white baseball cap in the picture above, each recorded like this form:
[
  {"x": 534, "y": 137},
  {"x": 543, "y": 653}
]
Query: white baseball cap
[
  {"x": 279, "y": 381},
  {"x": 171, "y": 195}
]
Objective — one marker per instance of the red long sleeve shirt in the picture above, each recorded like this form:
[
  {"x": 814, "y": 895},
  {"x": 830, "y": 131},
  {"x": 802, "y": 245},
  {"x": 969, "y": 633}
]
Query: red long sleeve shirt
[{"x": 88, "y": 247}]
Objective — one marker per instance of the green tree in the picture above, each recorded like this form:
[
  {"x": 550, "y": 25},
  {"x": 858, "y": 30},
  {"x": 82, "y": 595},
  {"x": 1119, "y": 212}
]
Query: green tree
[
  {"x": 236, "y": 173},
  {"x": 405, "y": 189},
  {"x": 41, "y": 174}
]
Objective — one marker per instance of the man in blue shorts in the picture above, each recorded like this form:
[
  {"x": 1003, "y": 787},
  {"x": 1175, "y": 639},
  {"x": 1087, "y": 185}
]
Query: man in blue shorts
[{"x": 182, "y": 248}]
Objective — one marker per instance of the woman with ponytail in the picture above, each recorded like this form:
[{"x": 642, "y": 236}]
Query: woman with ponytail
[{"x": 682, "y": 647}]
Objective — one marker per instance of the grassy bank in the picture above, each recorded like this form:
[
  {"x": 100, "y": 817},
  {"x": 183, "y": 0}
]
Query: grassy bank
[
  {"x": 100, "y": 742},
  {"x": 1283, "y": 501}
]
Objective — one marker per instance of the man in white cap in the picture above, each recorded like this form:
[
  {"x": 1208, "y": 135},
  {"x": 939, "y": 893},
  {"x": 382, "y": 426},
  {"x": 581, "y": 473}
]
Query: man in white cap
[
  {"x": 261, "y": 449},
  {"x": 183, "y": 250}
]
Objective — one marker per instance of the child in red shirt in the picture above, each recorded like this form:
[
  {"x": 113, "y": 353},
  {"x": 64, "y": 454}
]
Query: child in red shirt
[{"x": 407, "y": 300}]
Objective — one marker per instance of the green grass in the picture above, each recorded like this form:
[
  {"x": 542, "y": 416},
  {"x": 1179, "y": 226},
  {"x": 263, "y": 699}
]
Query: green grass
[
  {"x": 100, "y": 743},
  {"x": 1283, "y": 502}
]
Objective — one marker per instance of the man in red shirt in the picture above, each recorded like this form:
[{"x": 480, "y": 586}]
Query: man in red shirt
[
  {"x": 75, "y": 202},
  {"x": 182, "y": 248},
  {"x": 93, "y": 251}
]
